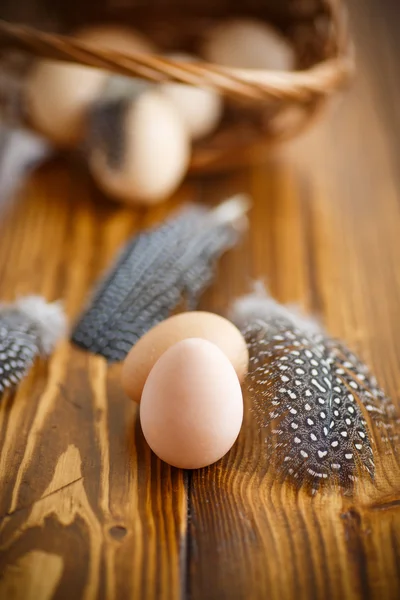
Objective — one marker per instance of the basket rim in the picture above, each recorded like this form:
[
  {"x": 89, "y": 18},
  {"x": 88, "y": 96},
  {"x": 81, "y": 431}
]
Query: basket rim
[{"x": 257, "y": 85}]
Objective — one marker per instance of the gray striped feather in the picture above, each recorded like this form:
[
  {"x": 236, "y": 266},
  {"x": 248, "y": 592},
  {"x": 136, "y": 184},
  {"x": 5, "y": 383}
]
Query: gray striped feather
[{"x": 153, "y": 273}]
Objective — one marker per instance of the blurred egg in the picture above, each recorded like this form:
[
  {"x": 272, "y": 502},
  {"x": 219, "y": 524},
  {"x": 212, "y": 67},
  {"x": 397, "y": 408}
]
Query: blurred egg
[
  {"x": 116, "y": 37},
  {"x": 200, "y": 108},
  {"x": 155, "y": 342},
  {"x": 59, "y": 94},
  {"x": 145, "y": 147},
  {"x": 57, "y": 97},
  {"x": 192, "y": 406},
  {"x": 248, "y": 44}
]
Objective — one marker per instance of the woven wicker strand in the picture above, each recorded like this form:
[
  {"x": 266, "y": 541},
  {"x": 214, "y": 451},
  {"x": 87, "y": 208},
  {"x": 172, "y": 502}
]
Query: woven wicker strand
[{"x": 246, "y": 84}]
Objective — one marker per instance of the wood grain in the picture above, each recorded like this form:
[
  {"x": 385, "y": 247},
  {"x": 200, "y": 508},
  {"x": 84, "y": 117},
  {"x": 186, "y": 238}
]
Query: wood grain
[
  {"x": 324, "y": 234},
  {"x": 82, "y": 498},
  {"x": 86, "y": 511}
]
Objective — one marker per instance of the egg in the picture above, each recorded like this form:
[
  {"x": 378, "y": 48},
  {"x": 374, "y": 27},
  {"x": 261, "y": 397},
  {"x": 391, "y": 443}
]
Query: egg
[
  {"x": 144, "y": 150},
  {"x": 59, "y": 94},
  {"x": 200, "y": 108},
  {"x": 57, "y": 97},
  {"x": 155, "y": 342},
  {"x": 191, "y": 410},
  {"x": 116, "y": 37},
  {"x": 248, "y": 44}
]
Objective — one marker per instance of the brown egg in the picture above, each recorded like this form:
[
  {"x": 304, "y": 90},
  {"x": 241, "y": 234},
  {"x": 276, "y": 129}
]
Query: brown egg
[
  {"x": 155, "y": 342},
  {"x": 58, "y": 95},
  {"x": 192, "y": 405}
]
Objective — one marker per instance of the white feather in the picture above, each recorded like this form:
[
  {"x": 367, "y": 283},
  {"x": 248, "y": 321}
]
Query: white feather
[
  {"x": 233, "y": 211},
  {"x": 260, "y": 305},
  {"x": 20, "y": 152},
  {"x": 49, "y": 318}
]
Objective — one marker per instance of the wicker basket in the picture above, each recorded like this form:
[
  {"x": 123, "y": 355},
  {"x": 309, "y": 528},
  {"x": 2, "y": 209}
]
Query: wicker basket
[{"x": 317, "y": 30}]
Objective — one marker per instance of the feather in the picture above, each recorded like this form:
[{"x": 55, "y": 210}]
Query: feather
[
  {"x": 154, "y": 272},
  {"x": 28, "y": 328},
  {"x": 20, "y": 152},
  {"x": 317, "y": 400}
]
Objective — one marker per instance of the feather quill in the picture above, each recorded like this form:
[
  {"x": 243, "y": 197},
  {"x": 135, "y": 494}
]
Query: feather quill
[
  {"x": 28, "y": 328},
  {"x": 154, "y": 272},
  {"x": 318, "y": 402}
]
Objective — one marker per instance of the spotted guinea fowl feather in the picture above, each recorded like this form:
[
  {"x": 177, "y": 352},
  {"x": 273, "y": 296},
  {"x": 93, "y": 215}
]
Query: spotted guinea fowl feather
[
  {"x": 317, "y": 401},
  {"x": 155, "y": 270},
  {"x": 28, "y": 328}
]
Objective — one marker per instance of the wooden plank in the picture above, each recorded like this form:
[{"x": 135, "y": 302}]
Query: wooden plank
[
  {"x": 324, "y": 233},
  {"x": 86, "y": 510}
]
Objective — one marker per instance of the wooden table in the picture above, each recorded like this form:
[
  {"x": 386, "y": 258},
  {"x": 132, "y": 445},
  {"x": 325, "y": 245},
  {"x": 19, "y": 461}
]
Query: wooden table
[{"x": 86, "y": 511}]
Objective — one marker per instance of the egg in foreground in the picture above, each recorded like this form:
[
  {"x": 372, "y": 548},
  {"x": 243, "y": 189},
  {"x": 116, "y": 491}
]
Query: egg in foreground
[
  {"x": 209, "y": 326},
  {"x": 191, "y": 409}
]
